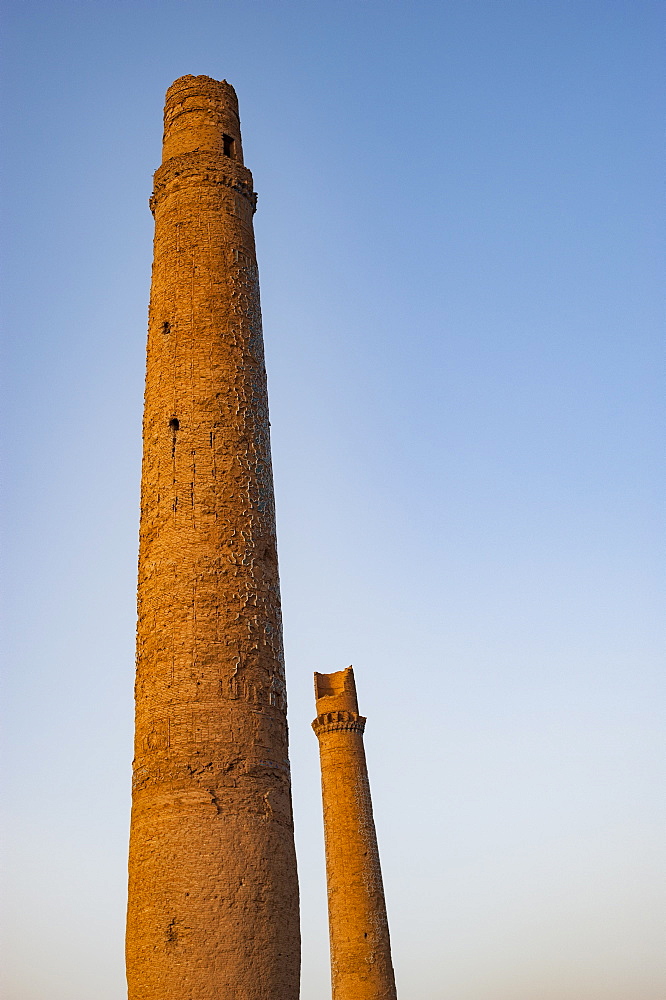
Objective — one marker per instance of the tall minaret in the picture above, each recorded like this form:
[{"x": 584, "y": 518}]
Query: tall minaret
[
  {"x": 213, "y": 896},
  {"x": 361, "y": 967}
]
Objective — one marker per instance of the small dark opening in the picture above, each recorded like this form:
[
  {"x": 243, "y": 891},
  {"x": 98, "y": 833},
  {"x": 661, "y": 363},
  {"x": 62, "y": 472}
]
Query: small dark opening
[
  {"x": 174, "y": 424},
  {"x": 166, "y": 327},
  {"x": 228, "y": 145}
]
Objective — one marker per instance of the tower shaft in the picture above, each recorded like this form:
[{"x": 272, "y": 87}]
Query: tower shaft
[
  {"x": 213, "y": 896},
  {"x": 361, "y": 967}
]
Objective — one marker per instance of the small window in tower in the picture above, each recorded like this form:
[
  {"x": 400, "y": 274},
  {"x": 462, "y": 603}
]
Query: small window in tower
[
  {"x": 228, "y": 146},
  {"x": 174, "y": 424}
]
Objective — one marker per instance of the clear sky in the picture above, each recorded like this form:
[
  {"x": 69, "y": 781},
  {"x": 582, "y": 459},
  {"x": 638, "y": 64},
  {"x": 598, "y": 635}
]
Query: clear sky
[{"x": 459, "y": 236}]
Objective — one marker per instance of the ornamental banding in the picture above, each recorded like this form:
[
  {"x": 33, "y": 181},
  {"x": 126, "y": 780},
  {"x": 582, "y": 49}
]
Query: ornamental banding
[
  {"x": 202, "y": 169},
  {"x": 332, "y": 722}
]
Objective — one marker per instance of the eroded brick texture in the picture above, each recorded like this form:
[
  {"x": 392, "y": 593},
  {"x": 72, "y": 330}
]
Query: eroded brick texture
[
  {"x": 213, "y": 896},
  {"x": 361, "y": 967}
]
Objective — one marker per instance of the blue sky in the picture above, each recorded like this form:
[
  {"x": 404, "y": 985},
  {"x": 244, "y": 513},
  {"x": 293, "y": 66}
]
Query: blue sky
[{"x": 460, "y": 240}]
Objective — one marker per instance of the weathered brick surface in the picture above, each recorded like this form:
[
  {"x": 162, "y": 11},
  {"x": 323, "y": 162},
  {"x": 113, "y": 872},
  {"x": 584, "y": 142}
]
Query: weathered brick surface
[
  {"x": 213, "y": 896},
  {"x": 361, "y": 967}
]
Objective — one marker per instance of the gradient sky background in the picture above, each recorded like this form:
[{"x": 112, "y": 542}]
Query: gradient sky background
[{"x": 459, "y": 247}]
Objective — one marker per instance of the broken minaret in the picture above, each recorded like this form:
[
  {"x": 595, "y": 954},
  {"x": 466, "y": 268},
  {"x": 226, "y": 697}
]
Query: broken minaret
[
  {"x": 213, "y": 896},
  {"x": 361, "y": 967}
]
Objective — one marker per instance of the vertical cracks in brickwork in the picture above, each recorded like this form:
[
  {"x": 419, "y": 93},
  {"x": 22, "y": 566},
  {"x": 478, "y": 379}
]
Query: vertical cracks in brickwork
[{"x": 215, "y": 801}]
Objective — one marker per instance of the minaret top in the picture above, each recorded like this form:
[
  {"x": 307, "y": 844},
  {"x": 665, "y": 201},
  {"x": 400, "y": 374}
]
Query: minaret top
[
  {"x": 336, "y": 692},
  {"x": 201, "y": 115}
]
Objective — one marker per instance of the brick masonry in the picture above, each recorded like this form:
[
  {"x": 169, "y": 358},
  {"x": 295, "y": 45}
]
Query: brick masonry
[
  {"x": 361, "y": 967},
  {"x": 213, "y": 895}
]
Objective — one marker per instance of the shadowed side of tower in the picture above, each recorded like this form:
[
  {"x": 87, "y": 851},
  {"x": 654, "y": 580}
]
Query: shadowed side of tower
[
  {"x": 213, "y": 895},
  {"x": 361, "y": 967}
]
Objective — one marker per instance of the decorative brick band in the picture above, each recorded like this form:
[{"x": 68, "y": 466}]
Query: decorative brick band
[
  {"x": 333, "y": 722},
  {"x": 202, "y": 168}
]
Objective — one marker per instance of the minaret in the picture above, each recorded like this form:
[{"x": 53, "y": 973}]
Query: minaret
[
  {"x": 361, "y": 967},
  {"x": 213, "y": 896}
]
